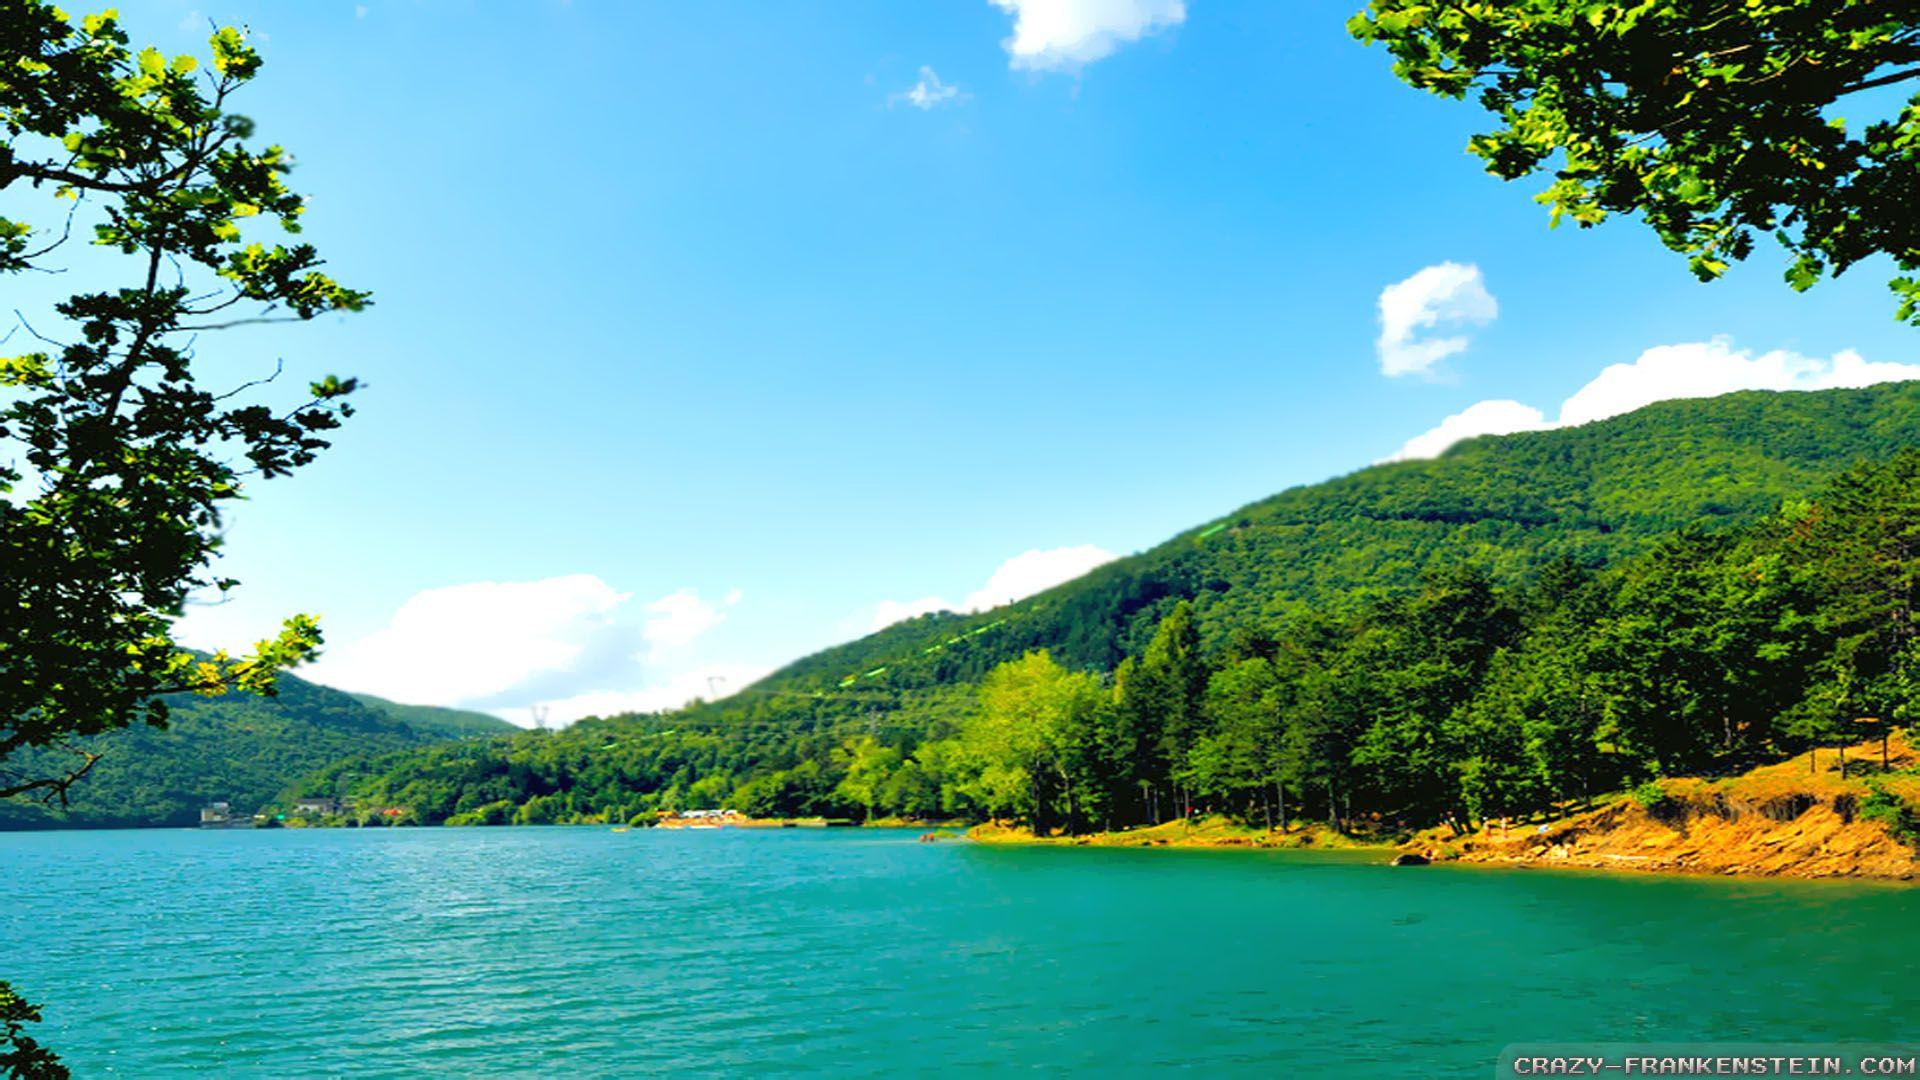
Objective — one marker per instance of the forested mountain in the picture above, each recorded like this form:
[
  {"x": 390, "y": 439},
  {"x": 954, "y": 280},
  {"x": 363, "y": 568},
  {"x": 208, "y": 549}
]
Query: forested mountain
[
  {"x": 238, "y": 748},
  {"x": 438, "y": 720},
  {"x": 1479, "y": 552},
  {"x": 1510, "y": 503}
]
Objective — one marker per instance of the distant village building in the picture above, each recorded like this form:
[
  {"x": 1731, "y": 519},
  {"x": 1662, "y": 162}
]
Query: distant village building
[
  {"x": 321, "y": 806},
  {"x": 701, "y": 818},
  {"x": 217, "y": 815}
]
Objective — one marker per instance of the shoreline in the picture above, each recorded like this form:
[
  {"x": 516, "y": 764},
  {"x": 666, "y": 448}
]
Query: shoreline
[
  {"x": 1798, "y": 818},
  {"x": 1695, "y": 837},
  {"x": 738, "y": 822},
  {"x": 1211, "y": 832},
  {"x": 1883, "y": 861},
  {"x": 1801, "y": 818},
  {"x": 1806, "y": 817}
]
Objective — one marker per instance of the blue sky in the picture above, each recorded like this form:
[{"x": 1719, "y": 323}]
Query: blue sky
[{"x": 702, "y": 341}]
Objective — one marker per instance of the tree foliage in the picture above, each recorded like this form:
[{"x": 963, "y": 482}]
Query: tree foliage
[
  {"x": 1033, "y": 740},
  {"x": 239, "y": 748},
  {"x": 1716, "y": 123},
  {"x": 1456, "y": 699},
  {"x": 116, "y": 459},
  {"x": 1588, "y": 496},
  {"x": 21, "y": 1056}
]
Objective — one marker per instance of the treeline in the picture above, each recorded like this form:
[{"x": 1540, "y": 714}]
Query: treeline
[
  {"x": 770, "y": 752},
  {"x": 238, "y": 748},
  {"x": 1458, "y": 699},
  {"x": 1320, "y": 568},
  {"x": 1595, "y": 494},
  {"x": 1464, "y": 700}
]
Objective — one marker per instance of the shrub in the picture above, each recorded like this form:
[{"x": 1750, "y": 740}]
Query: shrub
[
  {"x": 1653, "y": 798},
  {"x": 1893, "y": 812}
]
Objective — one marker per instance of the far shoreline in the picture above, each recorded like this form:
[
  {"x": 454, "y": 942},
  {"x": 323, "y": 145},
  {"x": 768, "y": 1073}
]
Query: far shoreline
[{"x": 1478, "y": 850}]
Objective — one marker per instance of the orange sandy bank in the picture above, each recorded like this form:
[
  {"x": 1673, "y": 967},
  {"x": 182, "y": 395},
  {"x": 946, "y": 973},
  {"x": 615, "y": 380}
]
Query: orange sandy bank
[
  {"x": 1798, "y": 818},
  {"x": 1212, "y": 831}
]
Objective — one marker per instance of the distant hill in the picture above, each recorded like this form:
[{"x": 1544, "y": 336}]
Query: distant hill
[
  {"x": 438, "y": 720},
  {"x": 1595, "y": 494},
  {"x": 240, "y": 749},
  {"x": 1510, "y": 503}
]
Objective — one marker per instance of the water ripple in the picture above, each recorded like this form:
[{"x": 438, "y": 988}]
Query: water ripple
[{"x": 526, "y": 952}]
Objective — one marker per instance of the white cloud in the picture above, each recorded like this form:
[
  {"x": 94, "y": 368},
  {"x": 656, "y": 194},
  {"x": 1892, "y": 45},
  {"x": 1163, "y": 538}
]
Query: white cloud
[
  {"x": 929, "y": 92},
  {"x": 359, "y": 11},
  {"x": 1689, "y": 370},
  {"x": 1022, "y": 576},
  {"x": 1036, "y": 571},
  {"x": 677, "y": 618},
  {"x": 469, "y": 642},
  {"x": 571, "y": 646},
  {"x": 1064, "y": 35},
  {"x": 1708, "y": 368},
  {"x": 193, "y": 20},
  {"x": 888, "y": 612},
  {"x": 709, "y": 683},
  {"x": 1446, "y": 295},
  {"x": 1500, "y": 417}
]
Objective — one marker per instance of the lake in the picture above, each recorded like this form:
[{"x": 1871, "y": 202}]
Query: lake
[{"x": 500, "y": 952}]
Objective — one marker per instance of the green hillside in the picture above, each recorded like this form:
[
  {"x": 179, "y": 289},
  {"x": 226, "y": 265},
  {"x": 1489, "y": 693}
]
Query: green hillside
[
  {"x": 1312, "y": 564},
  {"x": 438, "y": 720},
  {"x": 1511, "y": 503},
  {"x": 240, "y": 749}
]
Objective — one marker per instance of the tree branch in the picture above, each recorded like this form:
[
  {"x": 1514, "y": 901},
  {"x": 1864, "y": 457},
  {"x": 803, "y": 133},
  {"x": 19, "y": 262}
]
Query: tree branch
[
  {"x": 279, "y": 365},
  {"x": 1884, "y": 80},
  {"x": 55, "y": 787},
  {"x": 39, "y": 172},
  {"x": 242, "y": 322}
]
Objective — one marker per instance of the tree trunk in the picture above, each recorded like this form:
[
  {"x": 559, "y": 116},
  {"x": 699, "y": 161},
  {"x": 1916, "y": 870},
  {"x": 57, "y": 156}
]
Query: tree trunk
[{"x": 1280, "y": 793}]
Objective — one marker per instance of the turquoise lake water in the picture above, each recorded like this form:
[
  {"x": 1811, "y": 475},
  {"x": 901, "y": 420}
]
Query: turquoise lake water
[{"x": 542, "y": 952}]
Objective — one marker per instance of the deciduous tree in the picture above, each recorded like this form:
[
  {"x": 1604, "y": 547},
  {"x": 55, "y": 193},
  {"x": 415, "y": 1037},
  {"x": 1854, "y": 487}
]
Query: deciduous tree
[
  {"x": 1716, "y": 123},
  {"x": 117, "y": 458}
]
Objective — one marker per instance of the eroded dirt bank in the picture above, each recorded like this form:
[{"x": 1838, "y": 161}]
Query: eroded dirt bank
[{"x": 1800, "y": 818}]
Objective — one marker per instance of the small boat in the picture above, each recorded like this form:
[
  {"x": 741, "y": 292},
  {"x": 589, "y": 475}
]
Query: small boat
[{"x": 619, "y": 828}]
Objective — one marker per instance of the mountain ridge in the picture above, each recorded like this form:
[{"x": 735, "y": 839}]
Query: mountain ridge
[
  {"x": 237, "y": 748},
  {"x": 1506, "y": 507},
  {"x": 1424, "y": 496},
  {"x": 438, "y": 719}
]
